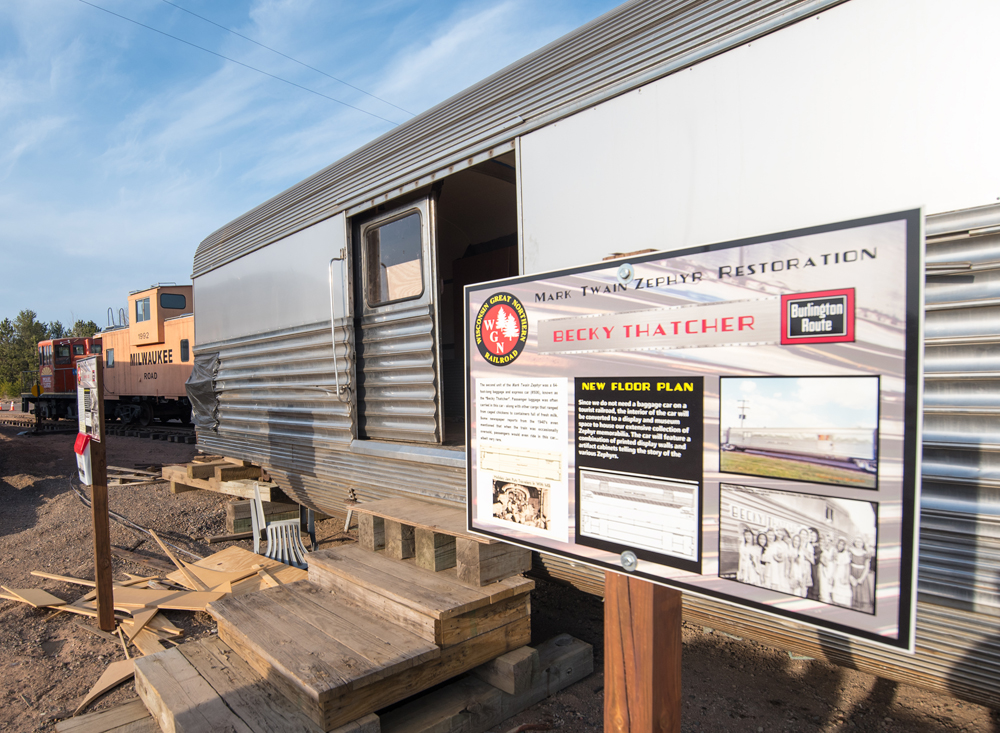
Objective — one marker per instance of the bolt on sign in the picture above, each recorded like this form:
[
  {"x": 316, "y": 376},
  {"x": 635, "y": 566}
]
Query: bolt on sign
[{"x": 739, "y": 420}]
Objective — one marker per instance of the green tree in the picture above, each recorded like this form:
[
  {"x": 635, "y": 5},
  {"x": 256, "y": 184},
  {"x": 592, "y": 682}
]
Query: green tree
[
  {"x": 83, "y": 329},
  {"x": 8, "y": 371},
  {"x": 28, "y": 331},
  {"x": 56, "y": 330}
]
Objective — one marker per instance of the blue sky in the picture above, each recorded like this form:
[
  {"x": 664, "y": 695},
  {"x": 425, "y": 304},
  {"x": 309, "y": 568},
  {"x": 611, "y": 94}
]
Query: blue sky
[{"x": 121, "y": 149}]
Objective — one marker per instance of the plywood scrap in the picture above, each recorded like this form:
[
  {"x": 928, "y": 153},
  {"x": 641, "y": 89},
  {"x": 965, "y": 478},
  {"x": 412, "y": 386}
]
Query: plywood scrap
[
  {"x": 147, "y": 642},
  {"x": 133, "y": 598},
  {"x": 191, "y": 577},
  {"x": 210, "y": 578},
  {"x": 132, "y": 714},
  {"x": 114, "y": 675},
  {"x": 34, "y": 597},
  {"x": 140, "y": 618}
]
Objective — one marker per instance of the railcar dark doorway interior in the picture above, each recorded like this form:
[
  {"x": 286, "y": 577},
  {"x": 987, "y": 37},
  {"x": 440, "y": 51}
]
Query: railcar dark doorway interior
[{"x": 412, "y": 259}]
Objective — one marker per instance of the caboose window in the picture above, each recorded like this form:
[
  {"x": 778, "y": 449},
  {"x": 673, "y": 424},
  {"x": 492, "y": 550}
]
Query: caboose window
[
  {"x": 95, "y": 348},
  {"x": 63, "y": 355},
  {"x": 173, "y": 301},
  {"x": 79, "y": 350},
  {"x": 142, "y": 310},
  {"x": 109, "y": 358},
  {"x": 185, "y": 350},
  {"x": 393, "y": 261}
]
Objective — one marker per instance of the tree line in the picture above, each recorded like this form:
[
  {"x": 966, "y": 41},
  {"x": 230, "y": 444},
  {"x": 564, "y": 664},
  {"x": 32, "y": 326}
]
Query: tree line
[{"x": 19, "y": 346}]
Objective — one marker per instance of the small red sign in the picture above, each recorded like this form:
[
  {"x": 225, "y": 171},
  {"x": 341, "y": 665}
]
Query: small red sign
[
  {"x": 501, "y": 329},
  {"x": 821, "y": 317},
  {"x": 82, "y": 441}
]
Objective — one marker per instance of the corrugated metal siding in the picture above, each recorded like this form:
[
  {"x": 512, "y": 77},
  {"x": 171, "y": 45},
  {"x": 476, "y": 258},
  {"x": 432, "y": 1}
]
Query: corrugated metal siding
[
  {"x": 397, "y": 376},
  {"x": 630, "y": 46},
  {"x": 958, "y": 589}
]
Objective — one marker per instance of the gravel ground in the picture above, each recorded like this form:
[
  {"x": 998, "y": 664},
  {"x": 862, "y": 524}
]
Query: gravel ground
[{"x": 50, "y": 660}]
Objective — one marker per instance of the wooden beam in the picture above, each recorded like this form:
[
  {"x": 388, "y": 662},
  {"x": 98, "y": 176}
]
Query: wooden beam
[
  {"x": 435, "y": 551},
  {"x": 642, "y": 656},
  {"x": 103, "y": 571},
  {"x": 399, "y": 541},
  {"x": 371, "y": 532}
]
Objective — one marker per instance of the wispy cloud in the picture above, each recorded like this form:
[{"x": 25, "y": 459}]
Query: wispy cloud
[{"x": 121, "y": 149}]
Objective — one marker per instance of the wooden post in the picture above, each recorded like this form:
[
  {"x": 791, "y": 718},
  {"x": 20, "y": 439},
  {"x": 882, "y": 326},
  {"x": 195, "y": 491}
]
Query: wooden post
[
  {"x": 99, "y": 503},
  {"x": 642, "y": 656}
]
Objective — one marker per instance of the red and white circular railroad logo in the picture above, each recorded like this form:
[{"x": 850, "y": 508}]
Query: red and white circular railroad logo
[{"x": 501, "y": 329}]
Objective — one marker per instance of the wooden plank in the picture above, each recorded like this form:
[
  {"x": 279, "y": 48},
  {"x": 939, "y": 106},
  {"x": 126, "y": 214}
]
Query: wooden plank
[
  {"x": 240, "y": 508},
  {"x": 36, "y": 597},
  {"x": 209, "y": 578},
  {"x": 441, "y": 519},
  {"x": 114, "y": 675},
  {"x": 235, "y": 473},
  {"x": 129, "y": 598},
  {"x": 457, "y": 629},
  {"x": 179, "y": 698},
  {"x": 399, "y": 540},
  {"x": 147, "y": 642},
  {"x": 243, "y": 488},
  {"x": 204, "y": 470},
  {"x": 246, "y": 693},
  {"x": 191, "y": 577},
  {"x": 105, "y": 721},
  {"x": 103, "y": 570},
  {"x": 471, "y": 705},
  {"x": 512, "y": 672},
  {"x": 371, "y": 532},
  {"x": 481, "y": 564},
  {"x": 439, "y": 595},
  {"x": 642, "y": 656},
  {"x": 453, "y": 661},
  {"x": 140, "y": 618},
  {"x": 179, "y": 488},
  {"x": 436, "y": 551},
  {"x": 234, "y": 559},
  {"x": 152, "y": 562}
]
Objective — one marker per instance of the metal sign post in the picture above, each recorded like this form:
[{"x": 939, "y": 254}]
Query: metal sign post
[{"x": 90, "y": 443}]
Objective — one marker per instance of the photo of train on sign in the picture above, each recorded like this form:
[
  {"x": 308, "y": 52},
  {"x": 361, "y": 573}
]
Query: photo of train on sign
[{"x": 658, "y": 128}]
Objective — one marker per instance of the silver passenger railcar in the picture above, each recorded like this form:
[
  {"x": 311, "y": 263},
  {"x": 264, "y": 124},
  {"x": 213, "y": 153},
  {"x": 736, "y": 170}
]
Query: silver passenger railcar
[{"x": 329, "y": 338}]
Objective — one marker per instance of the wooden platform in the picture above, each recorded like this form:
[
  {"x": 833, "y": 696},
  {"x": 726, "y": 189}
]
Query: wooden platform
[
  {"x": 338, "y": 660},
  {"x": 224, "y": 476},
  {"x": 206, "y": 686},
  {"x": 437, "y": 538},
  {"x": 438, "y": 607}
]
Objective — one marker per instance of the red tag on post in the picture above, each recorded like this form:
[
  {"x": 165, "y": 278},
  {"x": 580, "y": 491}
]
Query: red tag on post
[{"x": 82, "y": 441}]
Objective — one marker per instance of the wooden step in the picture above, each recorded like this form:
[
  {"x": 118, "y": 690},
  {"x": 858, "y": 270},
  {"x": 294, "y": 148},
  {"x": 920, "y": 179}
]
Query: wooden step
[
  {"x": 206, "y": 686},
  {"x": 438, "y": 607},
  {"x": 338, "y": 661},
  {"x": 472, "y": 705},
  {"x": 438, "y": 538}
]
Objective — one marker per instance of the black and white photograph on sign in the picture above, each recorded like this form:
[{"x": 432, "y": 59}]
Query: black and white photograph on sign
[
  {"x": 816, "y": 547},
  {"x": 821, "y": 430},
  {"x": 640, "y": 512},
  {"x": 526, "y": 505}
]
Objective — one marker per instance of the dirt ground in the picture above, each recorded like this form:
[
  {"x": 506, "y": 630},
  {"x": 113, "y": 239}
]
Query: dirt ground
[{"x": 49, "y": 661}]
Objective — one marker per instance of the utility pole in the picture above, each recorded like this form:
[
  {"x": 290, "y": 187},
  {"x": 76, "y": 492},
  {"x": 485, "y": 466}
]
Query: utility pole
[{"x": 743, "y": 405}]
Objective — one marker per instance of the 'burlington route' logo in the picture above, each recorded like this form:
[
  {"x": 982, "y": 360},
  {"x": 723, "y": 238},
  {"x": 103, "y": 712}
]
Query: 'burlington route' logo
[{"x": 501, "y": 329}]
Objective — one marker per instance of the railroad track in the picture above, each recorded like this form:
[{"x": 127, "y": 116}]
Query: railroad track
[{"x": 169, "y": 433}]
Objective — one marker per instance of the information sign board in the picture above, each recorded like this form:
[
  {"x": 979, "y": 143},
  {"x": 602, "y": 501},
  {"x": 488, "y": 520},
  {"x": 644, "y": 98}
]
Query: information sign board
[
  {"x": 739, "y": 420},
  {"x": 87, "y": 401}
]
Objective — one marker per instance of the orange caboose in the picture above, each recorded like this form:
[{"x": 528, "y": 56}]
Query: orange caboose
[{"x": 147, "y": 361}]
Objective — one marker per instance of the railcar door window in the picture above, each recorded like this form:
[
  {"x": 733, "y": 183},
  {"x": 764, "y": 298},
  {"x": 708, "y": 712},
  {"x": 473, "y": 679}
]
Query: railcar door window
[
  {"x": 142, "y": 310},
  {"x": 185, "y": 350},
  {"x": 62, "y": 355},
  {"x": 394, "y": 261},
  {"x": 109, "y": 358}
]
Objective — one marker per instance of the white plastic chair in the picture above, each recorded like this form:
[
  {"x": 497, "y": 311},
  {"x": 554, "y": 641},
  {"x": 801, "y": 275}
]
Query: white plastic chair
[{"x": 284, "y": 538}]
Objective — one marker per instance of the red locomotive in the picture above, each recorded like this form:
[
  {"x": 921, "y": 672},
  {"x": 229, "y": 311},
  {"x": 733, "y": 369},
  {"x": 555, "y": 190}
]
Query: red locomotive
[{"x": 57, "y": 375}]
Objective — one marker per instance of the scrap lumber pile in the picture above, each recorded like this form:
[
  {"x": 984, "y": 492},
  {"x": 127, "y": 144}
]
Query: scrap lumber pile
[
  {"x": 231, "y": 476},
  {"x": 139, "y": 600},
  {"x": 367, "y": 629}
]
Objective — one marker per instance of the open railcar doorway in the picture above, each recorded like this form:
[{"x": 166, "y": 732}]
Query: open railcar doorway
[{"x": 412, "y": 259}]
